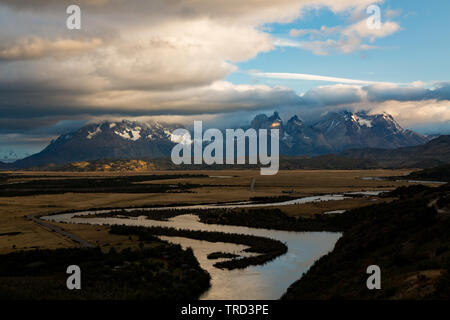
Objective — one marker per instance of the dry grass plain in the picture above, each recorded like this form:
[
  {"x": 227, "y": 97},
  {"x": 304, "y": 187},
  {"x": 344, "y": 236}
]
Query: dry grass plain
[{"x": 220, "y": 186}]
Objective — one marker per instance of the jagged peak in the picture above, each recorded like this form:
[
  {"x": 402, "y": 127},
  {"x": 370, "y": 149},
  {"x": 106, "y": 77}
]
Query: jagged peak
[
  {"x": 296, "y": 120},
  {"x": 126, "y": 129},
  {"x": 275, "y": 116}
]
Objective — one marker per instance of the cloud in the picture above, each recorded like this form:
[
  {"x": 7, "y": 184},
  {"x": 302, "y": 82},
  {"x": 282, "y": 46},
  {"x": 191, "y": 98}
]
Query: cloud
[
  {"x": 170, "y": 59},
  {"x": 413, "y": 113},
  {"x": 315, "y": 33},
  {"x": 136, "y": 45},
  {"x": 250, "y": 10},
  {"x": 138, "y": 57},
  {"x": 336, "y": 95},
  {"x": 362, "y": 30},
  {"x": 381, "y": 93},
  {"x": 410, "y": 105},
  {"x": 312, "y": 77},
  {"x": 36, "y": 48},
  {"x": 221, "y": 96},
  {"x": 48, "y": 4},
  {"x": 344, "y": 39}
]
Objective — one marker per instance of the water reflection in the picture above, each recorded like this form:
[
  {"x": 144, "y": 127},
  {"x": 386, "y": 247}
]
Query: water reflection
[{"x": 267, "y": 281}]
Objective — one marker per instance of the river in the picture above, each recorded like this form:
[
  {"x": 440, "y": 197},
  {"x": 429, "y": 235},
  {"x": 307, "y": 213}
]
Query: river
[{"x": 268, "y": 281}]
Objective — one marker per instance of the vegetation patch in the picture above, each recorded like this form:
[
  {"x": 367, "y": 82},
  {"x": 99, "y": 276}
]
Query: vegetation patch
[
  {"x": 125, "y": 184},
  {"x": 222, "y": 255},
  {"x": 275, "y": 219},
  {"x": 408, "y": 239},
  {"x": 165, "y": 271},
  {"x": 10, "y": 234},
  {"x": 441, "y": 173},
  {"x": 268, "y": 249},
  {"x": 159, "y": 215}
]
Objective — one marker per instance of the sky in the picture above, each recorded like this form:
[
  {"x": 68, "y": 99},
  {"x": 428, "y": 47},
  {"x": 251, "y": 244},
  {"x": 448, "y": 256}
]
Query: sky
[{"x": 221, "y": 61}]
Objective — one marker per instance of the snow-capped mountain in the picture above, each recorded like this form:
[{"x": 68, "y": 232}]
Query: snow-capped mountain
[
  {"x": 344, "y": 130},
  {"x": 334, "y": 133},
  {"x": 108, "y": 140},
  {"x": 338, "y": 131}
]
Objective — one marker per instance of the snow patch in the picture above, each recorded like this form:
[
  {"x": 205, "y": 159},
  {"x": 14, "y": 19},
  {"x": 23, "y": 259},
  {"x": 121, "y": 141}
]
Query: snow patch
[
  {"x": 362, "y": 122},
  {"x": 182, "y": 139},
  {"x": 132, "y": 134},
  {"x": 93, "y": 133},
  {"x": 365, "y": 122}
]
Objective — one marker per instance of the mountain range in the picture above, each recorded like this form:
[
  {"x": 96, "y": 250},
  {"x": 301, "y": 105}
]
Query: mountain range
[
  {"x": 107, "y": 140},
  {"x": 334, "y": 133},
  {"x": 338, "y": 131}
]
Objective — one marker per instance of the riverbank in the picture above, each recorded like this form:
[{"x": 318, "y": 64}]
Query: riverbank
[
  {"x": 268, "y": 281},
  {"x": 266, "y": 277},
  {"x": 408, "y": 239},
  {"x": 24, "y": 234},
  {"x": 266, "y": 248}
]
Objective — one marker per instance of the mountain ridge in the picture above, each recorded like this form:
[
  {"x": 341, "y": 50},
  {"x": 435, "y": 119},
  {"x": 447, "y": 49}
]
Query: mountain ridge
[
  {"x": 334, "y": 133},
  {"x": 338, "y": 131},
  {"x": 121, "y": 140},
  {"x": 433, "y": 153},
  {"x": 413, "y": 159}
]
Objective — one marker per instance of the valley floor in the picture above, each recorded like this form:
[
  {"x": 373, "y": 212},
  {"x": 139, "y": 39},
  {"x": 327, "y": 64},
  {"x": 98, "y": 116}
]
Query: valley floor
[{"x": 17, "y": 232}]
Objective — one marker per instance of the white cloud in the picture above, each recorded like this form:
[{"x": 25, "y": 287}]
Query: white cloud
[
  {"x": 164, "y": 58},
  {"x": 313, "y": 77},
  {"x": 345, "y": 39},
  {"x": 315, "y": 33},
  {"x": 156, "y": 56},
  {"x": 361, "y": 30},
  {"x": 411, "y": 113}
]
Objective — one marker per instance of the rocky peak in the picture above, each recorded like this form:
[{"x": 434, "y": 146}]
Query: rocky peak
[
  {"x": 295, "y": 126},
  {"x": 261, "y": 121}
]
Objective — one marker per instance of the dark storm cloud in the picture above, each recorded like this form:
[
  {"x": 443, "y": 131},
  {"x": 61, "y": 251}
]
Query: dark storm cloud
[
  {"x": 48, "y": 4},
  {"x": 442, "y": 91},
  {"x": 382, "y": 93},
  {"x": 11, "y": 125},
  {"x": 150, "y": 58},
  {"x": 40, "y": 125},
  {"x": 35, "y": 107},
  {"x": 50, "y": 108}
]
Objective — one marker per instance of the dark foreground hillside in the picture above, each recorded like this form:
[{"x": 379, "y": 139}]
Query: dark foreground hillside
[
  {"x": 161, "y": 272},
  {"x": 409, "y": 239},
  {"x": 441, "y": 173},
  {"x": 431, "y": 154}
]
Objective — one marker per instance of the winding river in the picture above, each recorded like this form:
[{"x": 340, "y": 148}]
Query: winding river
[{"x": 262, "y": 282}]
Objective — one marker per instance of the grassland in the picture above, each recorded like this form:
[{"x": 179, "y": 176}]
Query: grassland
[
  {"x": 37, "y": 193},
  {"x": 16, "y": 232}
]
